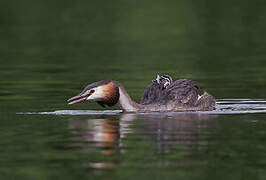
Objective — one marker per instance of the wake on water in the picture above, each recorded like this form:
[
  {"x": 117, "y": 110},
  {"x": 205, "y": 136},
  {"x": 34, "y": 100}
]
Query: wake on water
[{"x": 224, "y": 106}]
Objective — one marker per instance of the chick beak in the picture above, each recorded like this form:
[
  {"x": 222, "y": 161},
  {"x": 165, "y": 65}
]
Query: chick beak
[{"x": 77, "y": 99}]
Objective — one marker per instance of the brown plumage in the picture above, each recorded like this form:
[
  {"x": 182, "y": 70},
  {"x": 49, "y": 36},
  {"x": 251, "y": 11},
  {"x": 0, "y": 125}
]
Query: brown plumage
[{"x": 110, "y": 95}]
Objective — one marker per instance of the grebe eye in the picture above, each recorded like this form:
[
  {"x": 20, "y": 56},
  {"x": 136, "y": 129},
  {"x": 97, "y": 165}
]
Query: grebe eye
[{"x": 92, "y": 91}]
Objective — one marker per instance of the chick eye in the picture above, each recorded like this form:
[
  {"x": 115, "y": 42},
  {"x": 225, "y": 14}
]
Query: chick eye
[{"x": 92, "y": 91}]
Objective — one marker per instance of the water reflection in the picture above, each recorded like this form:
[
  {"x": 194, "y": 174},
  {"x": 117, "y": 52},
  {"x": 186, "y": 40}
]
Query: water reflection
[
  {"x": 162, "y": 131},
  {"x": 173, "y": 130},
  {"x": 95, "y": 135}
]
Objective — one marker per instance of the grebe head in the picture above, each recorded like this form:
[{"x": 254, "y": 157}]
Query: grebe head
[
  {"x": 104, "y": 92},
  {"x": 165, "y": 80}
]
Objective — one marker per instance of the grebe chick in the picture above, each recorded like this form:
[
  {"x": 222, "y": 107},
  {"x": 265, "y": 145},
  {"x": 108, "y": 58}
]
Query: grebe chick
[{"x": 163, "y": 94}]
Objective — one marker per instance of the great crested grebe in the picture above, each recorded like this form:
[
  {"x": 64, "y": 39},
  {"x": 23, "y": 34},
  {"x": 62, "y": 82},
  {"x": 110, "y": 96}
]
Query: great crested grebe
[{"x": 163, "y": 94}]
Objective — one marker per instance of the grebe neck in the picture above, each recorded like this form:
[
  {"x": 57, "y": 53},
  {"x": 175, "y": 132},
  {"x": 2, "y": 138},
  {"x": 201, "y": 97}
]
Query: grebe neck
[{"x": 125, "y": 102}]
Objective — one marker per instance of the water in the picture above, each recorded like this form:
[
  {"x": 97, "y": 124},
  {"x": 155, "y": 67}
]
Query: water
[{"x": 51, "y": 50}]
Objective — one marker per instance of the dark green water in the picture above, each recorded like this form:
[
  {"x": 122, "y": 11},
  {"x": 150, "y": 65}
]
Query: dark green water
[{"x": 50, "y": 50}]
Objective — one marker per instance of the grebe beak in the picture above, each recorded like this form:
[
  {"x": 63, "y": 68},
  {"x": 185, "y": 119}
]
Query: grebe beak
[
  {"x": 76, "y": 99},
  {"x": 79, "y": 98}
]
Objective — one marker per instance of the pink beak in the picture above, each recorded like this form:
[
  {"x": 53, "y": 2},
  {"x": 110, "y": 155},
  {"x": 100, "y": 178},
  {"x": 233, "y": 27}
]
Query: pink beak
[{"x": 77, "y": 99}]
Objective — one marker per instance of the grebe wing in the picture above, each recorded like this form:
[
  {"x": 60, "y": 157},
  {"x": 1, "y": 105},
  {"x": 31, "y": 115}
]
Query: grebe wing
[
  {"x": 151, "y": 94},
  {"x": 154, "y": 92},
  {"x": 183, "y": 91},
  {"x": 164, "y": 91}
]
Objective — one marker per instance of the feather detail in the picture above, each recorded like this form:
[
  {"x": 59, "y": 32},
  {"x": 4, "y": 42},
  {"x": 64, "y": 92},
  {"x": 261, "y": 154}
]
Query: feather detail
[{"x": 110, "y": 94}]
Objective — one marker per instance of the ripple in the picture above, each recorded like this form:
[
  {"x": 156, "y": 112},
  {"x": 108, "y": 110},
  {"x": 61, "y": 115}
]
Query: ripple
[
  {"x": 76, "y": 112},
  {"x": 224, "y": 106}
]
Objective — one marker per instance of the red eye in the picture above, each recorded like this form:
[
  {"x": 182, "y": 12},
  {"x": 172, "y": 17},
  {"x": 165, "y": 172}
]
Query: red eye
[{"x": 92, "y": 91}]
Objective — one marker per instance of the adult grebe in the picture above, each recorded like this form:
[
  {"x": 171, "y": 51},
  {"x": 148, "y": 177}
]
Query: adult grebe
[{"x": 162, "y": 95}]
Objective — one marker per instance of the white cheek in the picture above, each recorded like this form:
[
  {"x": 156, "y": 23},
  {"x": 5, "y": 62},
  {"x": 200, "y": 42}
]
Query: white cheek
[{"x": 97, "y": 95}]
